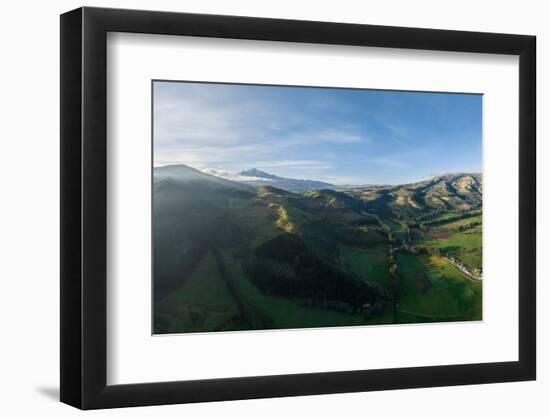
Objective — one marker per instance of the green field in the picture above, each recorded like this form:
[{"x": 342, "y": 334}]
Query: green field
[
  {"x": 368, "y": 264},
  {"x": 432, "y": 289},
  {"x": 201, "y": 303},
  {"x": 461, "y": 222},
  {"x": 465, "y": 246},
  {"x": 280, "y": 312},
  {"x": 398, "y": 230},
  {"x": 452, "y": 216}
]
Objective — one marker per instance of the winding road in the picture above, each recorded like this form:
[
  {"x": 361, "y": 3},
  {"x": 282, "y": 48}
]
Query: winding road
[{"x": 463, "y": 270}]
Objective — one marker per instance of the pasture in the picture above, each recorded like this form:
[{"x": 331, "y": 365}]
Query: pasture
[
  {"x": 433, "y": 290},
  {"x": 466, "y": 246},
  {"x": 369, "y": 264},
  {"x": 280, "y": 312},
  {"x": 203, "y": 302}
]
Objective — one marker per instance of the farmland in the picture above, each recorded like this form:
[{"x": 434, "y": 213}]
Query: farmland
[{"x": 432, "y": 290}]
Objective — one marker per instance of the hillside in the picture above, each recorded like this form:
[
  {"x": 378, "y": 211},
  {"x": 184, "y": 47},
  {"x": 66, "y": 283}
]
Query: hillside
[
  {"x": 183, "y": 174},
  {"x": 188, "y": 207},
  {"x": 452, "y": 192}
]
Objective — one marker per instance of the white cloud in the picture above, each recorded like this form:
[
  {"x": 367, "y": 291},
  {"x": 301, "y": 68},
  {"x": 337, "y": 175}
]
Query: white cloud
[
  {"x": 202, "y": 126},
  {"x": 198, "y": 125},
  {"x": 387, "y": 162},
  {"x": 232, "y": 175},
  {"x": 340, "y": 135}
]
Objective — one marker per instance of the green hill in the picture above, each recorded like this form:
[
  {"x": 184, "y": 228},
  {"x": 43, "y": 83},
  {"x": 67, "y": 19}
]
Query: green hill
[{"x": 453, "y": 192}]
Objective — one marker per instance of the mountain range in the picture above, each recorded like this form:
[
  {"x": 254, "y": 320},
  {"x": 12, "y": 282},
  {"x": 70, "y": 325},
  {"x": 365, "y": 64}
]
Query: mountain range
[
  {"x": 290, "y": 184},
  {"x": 461, "y": 191}
]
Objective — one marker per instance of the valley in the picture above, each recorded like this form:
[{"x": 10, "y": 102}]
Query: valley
[{"x": 252, "y": 255}]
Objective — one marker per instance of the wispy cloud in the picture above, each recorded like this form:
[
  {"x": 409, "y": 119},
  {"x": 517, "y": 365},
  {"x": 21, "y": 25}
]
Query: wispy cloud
[
  {"x": 340, "y": 135},
  {"x": 394, "y": 131},
  {"x": 233, "y": 176},
  {"x": 333, "y": 135},
  {"x": 387, "y": 162},
  {"x": 194, "y": 126}
]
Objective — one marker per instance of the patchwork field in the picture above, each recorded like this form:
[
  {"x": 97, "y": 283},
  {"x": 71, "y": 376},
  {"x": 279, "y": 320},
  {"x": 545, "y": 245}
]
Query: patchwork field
[
  {"x": 433, "y": 290},
  {"x": 461, "y": 239}
]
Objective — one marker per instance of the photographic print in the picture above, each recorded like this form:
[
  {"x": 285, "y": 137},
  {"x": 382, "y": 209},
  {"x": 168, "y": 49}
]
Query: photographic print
[{"x": 287, "y": 207}]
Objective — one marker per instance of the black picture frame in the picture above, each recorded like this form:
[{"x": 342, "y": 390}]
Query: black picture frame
[{"x": 84, "y": 207}]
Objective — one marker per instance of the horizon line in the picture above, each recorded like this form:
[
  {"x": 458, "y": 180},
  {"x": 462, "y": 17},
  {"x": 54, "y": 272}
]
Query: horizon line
[{"x": 428, "y": 177}]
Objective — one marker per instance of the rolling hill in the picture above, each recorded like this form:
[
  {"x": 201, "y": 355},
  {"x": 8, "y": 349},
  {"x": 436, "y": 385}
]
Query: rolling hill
[
  {"x": 183, "y": 174},
  {"x": 460, "y": 192}
]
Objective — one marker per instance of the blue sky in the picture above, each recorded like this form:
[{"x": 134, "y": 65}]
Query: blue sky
[{"x": 341, "y": 136}]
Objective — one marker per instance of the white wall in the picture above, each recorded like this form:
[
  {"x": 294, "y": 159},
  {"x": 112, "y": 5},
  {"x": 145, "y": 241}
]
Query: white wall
[{"x": 29, "y": 265}]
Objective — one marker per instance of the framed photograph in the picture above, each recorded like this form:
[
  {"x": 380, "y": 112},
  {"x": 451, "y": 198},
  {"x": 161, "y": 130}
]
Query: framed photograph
[{"x": 256, "y": 208}]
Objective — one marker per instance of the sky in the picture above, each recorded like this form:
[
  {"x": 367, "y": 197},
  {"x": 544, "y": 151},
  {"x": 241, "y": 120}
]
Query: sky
[{"x": 340, "y": 136}]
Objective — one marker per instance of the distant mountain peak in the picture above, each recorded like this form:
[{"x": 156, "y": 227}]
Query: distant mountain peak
[
  {"x": 288, "y": 184},
  {"x": 254, "y": 172}
]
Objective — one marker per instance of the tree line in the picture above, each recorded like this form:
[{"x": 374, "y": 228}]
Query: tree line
[
  {"x": 451, "y": 219},
  {"x": 304, "y": 275}
]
